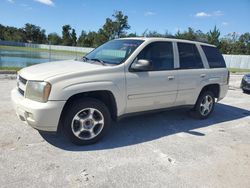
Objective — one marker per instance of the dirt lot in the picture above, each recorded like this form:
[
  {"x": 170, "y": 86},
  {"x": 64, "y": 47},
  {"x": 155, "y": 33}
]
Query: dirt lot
[{"x": 168, "y": 149}]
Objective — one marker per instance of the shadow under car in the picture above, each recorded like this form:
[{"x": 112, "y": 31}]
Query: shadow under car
[{"x": 144, "y": 128}]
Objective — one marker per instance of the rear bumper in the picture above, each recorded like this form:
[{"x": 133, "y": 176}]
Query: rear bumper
[
  {"x": 223, "y": 91},
  {"x": 41, "y": 116}
]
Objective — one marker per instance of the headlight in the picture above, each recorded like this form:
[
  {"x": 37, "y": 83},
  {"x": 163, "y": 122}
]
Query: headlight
[{"x": 38, "y": 91}]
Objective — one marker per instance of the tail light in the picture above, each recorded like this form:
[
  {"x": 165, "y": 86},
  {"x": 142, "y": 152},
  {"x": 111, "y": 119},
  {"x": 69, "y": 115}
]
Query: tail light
[{"x": 228, "y": 77}]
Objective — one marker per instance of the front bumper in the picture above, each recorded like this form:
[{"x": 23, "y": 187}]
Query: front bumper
[
  {"x": 245, "y": 85},
  {"x": 41, "y": 116}
]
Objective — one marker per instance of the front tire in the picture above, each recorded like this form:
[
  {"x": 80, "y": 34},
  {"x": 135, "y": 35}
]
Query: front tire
[
  {"x": 86, "y": 121},
  {"x": 204, "y": 105},
  {"x": 245, "y": 91}
]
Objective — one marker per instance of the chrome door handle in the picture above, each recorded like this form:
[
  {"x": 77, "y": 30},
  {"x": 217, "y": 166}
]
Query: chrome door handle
[
  {"x": 203, "y": 75},
  {"x": 170, "y": 77}
]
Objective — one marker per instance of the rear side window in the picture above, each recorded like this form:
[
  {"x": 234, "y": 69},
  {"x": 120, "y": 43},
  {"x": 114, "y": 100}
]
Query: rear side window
[
  {"x": 214, "y": 57},
  {"x": 161, "y": 55},
  {"x": 189, "y": 56}
]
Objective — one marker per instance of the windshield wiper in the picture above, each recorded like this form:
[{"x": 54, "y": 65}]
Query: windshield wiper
[
  {"x": 98, "y": 60},
  {"x": 85, "y": 59}
]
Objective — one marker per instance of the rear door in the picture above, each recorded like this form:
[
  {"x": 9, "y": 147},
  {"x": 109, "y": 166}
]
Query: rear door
[{"x": 191, "y": 73}]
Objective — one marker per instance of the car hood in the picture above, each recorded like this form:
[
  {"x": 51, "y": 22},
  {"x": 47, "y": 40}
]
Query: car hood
[{"x": 47, "y": 70}]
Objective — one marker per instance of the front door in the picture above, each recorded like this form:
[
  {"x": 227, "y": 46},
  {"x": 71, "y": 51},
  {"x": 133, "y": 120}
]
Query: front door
[{"x": 155, "y": 88}]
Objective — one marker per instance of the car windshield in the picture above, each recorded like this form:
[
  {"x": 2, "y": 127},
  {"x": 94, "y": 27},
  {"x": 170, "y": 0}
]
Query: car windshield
[{"x": 113, "y": 52}]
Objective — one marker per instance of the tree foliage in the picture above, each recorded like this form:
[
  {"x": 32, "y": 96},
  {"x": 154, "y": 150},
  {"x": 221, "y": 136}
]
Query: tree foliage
[
  {"x": 116, "y": 27},
  {"x": 87, "y": 39},
  {"x": 34, "y": 33},
  {"x": 191, "y": 34},
  {"x": 213, "y": 36},
  {"x": 54, "y": 39},
  {"x": 66, "y": 35},
  {"x": 235, "y": 44},
  {"x": 148, "y": 33},
  {"x": 120, "y": 24},
  {"x": 74, "y": 37}
]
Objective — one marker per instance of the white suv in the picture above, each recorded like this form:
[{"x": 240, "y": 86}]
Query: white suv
[{"x": 120, "y": 78}]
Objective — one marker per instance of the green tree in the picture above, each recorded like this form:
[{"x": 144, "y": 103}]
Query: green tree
[
  {"x": 120, "y": 23},
  {"x": 2, "y": 28},
  {"x": 200, "y": 36},
  {"x": 66, "y": 35},
  {"x": 245, "y": 40},
  {"x": 148, "y": 33},
  {"x": 34, "y": 33},
  {"x": 230, "y": 44},
  {"x": 101, "y": 38},
  {"x": 12, "y": 34},
  {"x": 74, "y": 37},
  {"x": 81, "y": 38},
  {"x": 54, "y": 39},
  {"x": 225, "y": 46},
  {"x": 116, "y": 27},
  {"x": 213, "y": 36},
  {"x": 108, "y": 30},
  {"x": 188, "y": 35},
  {"x": 130, "y": 35},
  {"x": 87, "y": 39}
]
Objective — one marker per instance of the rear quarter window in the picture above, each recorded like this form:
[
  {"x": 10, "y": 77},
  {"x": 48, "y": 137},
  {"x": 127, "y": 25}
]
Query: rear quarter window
[{"x": 214, "y": 57}]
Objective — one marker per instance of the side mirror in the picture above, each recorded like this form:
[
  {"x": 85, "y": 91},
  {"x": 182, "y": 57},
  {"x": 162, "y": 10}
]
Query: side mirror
[{"x": 142, "y": 65}]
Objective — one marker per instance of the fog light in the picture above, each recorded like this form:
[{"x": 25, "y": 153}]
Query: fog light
[{"x": 29, "y": 116}]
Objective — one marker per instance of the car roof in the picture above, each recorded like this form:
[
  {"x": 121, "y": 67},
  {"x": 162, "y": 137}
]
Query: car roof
[{"x": 159, "y": 39}]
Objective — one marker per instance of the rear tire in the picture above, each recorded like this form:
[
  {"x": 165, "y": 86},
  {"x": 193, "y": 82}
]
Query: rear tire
[
  {"x": 204, "y": 105},
  {"x": 86, "y": 121}
]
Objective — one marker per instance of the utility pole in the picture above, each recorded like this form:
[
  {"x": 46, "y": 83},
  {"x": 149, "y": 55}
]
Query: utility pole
[{"x": 49, "y": 51}]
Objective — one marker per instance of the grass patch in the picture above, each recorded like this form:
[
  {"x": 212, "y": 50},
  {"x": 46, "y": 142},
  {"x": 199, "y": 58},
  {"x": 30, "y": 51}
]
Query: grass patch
[
  {"x": 10, "y": 68},
  {"x": 22, "y": 48},
  {"x": 235, "y": 70}
]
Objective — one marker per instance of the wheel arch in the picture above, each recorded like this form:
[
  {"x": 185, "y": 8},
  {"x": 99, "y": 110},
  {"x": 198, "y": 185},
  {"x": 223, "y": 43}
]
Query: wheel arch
[
  {"x": 214, "y": 88},
  {"x": 105, "y": 96}
]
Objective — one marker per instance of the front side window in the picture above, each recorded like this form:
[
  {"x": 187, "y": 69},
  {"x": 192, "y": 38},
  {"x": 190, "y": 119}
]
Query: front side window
[
  {"x": 114, "y": 52},
  {"x": 160, "y": 54},
  {"x": 214, "y": 57},
  {"x": 189, "y": 56}
]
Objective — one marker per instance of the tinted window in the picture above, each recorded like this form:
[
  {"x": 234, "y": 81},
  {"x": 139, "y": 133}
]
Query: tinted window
[
  {"x": 214, "y": 58},
  {"x": 189, "y": 56},
  {"x": 161, "y": 55}
]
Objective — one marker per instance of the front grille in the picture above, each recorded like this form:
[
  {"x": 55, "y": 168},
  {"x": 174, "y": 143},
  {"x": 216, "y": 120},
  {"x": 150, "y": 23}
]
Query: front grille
[
  {"x": 21, "y": 91},
  {"x": 22, "y": 80},
  {"x": 21, "y": 84}
]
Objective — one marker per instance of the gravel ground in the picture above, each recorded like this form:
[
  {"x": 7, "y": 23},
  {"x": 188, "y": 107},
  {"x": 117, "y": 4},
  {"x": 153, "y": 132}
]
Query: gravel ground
[{"x": 168, "y": 149}]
